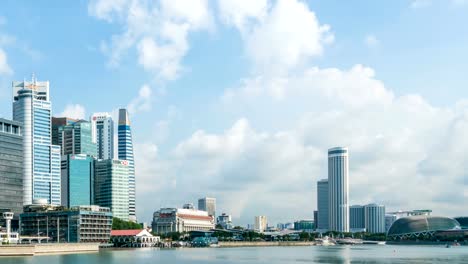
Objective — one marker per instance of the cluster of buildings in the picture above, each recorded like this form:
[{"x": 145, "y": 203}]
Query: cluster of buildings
[{"x": 63, "y": 168}]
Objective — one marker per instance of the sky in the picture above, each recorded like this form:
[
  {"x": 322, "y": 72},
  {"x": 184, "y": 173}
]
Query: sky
[{"x": 240, "y": 99}]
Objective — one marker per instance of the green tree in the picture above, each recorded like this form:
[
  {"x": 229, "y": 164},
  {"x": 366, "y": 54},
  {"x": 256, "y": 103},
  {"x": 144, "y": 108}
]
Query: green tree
[{"x": 119, "y": 224}]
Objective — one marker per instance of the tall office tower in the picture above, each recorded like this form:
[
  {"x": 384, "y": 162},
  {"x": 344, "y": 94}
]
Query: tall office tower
[
  {"x": 41, "y": 159},
  {"x": 11, "y": 166},
  {"x": 261, "y": 223},
  {"x": 357, "y": 218},
  {"x": 125, "y": 150},
  {"x": 77, "y": 180},
  {"x": 338, "y": 190},
  {"x": 73, "y": 136},
  {"x": 208, "y": 205},
  {"x": 102, "y": 129},
  {"x": 375, "y": 218},
  {"x": 111, "y": 186},
  {"x": 322, "y": 205}
]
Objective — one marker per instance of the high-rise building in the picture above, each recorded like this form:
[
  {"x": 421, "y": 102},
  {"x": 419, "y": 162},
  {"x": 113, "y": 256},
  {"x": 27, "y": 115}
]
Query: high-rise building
[
  {"x": 357, "y": 218},
  {"x": 375, "y": 218},
  {"x": 11, "y": 166},
  {"x": 41, "y": 159},
  {"x": 77, "y": 180},
  {"x": 225, "y": 221},
  {"x": 74, "y": 137},
  {"x": 261, "y": 223},
  {"x": 322, "y": 205},
  {"x": 338, "y": 189},
  {"x": 125, "y": 151},
  {"x": 102, "y": 129},
  {"x": 316, "y": 218},
  {"x": 111, "y": 186},
  {"x": 208, "y": 205}
]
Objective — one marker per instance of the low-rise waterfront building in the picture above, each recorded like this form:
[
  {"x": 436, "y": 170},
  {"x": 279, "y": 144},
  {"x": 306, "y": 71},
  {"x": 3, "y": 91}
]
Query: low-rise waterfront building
[
  {"x": 424, "y": 227},
  {"x": 81, "y": 224},
  {"x": 304, "y": 225},
  {"x": 136, "y": 238},
  {"x": 167, "y": 220}
]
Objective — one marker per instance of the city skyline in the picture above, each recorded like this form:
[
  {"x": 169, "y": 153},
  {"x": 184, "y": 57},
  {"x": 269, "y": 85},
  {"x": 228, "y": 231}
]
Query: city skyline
[{"x": 222, "y": 108}]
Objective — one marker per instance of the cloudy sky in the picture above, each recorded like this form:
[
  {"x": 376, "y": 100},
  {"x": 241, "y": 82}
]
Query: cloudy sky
[{"x": 240, "y": 100}]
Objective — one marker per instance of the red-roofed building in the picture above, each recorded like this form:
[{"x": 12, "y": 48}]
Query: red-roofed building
[
  {"x": 133, "y": 238},
  {"x": 168, "y": 220}
]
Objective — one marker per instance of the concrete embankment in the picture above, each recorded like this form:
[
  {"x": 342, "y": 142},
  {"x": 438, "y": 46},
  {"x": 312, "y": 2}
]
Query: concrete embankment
[
  {"x": 44, "y": 249},
  {"x": 265, "y": 244}
]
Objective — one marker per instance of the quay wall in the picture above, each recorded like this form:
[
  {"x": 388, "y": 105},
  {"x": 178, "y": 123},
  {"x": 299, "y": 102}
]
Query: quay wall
[
  {"x": 44, "y": 249},
  {"x": 265, "y": 244}
]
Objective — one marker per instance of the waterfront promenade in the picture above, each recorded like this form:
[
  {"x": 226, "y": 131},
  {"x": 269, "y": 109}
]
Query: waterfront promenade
[{"x": 44, "y": 249}]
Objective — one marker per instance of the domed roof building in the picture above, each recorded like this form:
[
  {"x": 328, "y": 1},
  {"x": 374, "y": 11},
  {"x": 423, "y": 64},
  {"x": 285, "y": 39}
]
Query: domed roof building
[
  {"x": 414, "y": 227},
  {"x": 463, "y": 220}
]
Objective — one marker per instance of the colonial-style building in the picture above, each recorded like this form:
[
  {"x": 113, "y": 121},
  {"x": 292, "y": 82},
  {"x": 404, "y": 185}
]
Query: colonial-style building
[
  {"x": 136, "y": 238},
  {"x": 167, "y": 220}
]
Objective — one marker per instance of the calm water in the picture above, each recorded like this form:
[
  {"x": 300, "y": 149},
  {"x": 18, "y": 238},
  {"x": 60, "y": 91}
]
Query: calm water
[{"x": 336, "y": 254}]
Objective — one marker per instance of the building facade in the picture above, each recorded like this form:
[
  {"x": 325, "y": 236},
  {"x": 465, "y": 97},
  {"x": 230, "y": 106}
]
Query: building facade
[
  {"x": 74, "y": 137},
  {"x": 125, "y": 151},
  {"x": 11, "y": 166},
  {"x": 261, "y": 223},
  {"x": 41, "y": 160},
  {"x": 111, "y": 186},
  {"x": 375, "y": 218},
  {"x": 304, "y": 225},
  {"x": 77, "y": 180},
  {"x": 168, "y": 220},
  {"x": 338, "y": 189},
  {"x": 209, "y": 205},
  {"x": 138, "y": 238},
  {"x": 225, "y": 221},
  {"x": 322, "y": 205},
  {"x": 83, "y": 224},
  {"x": 102, "y": 131},
  {"x": 357, "y": 216}
]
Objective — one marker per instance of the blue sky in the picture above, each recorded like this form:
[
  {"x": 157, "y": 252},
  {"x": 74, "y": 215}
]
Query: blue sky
[{"x": 241, "y": 99}]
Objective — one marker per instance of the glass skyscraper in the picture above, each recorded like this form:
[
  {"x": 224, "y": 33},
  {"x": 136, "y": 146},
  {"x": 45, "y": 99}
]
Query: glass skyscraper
[
  {"x": 322, "y": 205},
  {"x": 208, "y": 205},
  {"x": 77, "y": 180},
  {"x": 73, "y": 136},
  {"x": 125, "y": 151},
  {"x": 41, "y": 159},
  {"x": 102, "y": 129},
  {"x": 11, "y": 166},
  {"x": 338, "y": 190},
  {"x": 357, "y": 218},
  {"x": 111, "y": 186},
  {"x": 375, "y": 218}
]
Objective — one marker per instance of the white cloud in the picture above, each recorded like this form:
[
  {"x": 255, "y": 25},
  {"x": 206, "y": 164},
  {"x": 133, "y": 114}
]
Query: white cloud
[
  {"x": 5, "y": 68},
  {"x": 279, "y": 35},
  {"x": 371, "y": 41},
  {"x": 76, "y": 111},
  {"x": 142, "y": 102},
  {"x": 157, "y": 29}
]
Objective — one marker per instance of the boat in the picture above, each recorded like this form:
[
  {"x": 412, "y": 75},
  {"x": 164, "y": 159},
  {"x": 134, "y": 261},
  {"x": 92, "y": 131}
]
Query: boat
[{"x": 326, "y": 241}]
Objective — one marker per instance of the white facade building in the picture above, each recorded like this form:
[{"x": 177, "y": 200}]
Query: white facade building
[
  {"x": 261, "y": 223},
  {"x": 102, "y": 132},
  {"x": 375, "y": 218},
  {"x": 167, "y": 220},
  {"x": 338, "y": 189}
]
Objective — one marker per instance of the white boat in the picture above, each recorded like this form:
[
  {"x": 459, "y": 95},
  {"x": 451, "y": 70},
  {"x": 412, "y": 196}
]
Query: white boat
[{"x": 326, "y": 241}]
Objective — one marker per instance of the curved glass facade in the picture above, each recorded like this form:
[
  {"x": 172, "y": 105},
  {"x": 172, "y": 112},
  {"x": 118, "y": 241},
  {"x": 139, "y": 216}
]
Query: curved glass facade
[
  {"x": 419, "y": 224},
  {"x": 463, "y": 221}
]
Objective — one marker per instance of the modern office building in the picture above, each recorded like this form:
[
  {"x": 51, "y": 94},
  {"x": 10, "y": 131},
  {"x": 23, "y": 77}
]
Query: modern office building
[
  {"x": 167, "y": 220},
  {"x": 41, "y": 160},
  {"x": 82, "y": 224},
  {"x": 261, "y": 223},
  {"x": 74, "y": 137},
  {"x": 316, "y": 218},
  {"x": 77, "y": 180},
  {"x": 11, "y": 166},
  {"x": 102, "y": 131},
  {"x": 389, "y": 219},
  {"x": 375, "y": 218},
  {"x": 111, "y": 186},
  {"x": 125, "y": 151},
  {"x": 208, "y": 204},
  {"x": 322, "y": 205},
  {"x": 338, "y": 189},
  {"x": 225, "y": 221},
  {"x": 357, "y": 218},
  {"x": 304, "y": 225}
]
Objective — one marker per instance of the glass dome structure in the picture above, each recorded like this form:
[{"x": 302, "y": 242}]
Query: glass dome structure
[{"x": 421, "y": 225}]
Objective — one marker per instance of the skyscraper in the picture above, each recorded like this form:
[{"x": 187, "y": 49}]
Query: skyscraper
[
  {"x": 261, "y": 223},
  {"x": 41, "y": 159},
  {"x": 322, "y": 205},
  {"x": 357, "y": 218},
  {"x": 73, "y": 136},
  {"x": 375, "y": 218},
  {"x": 11, "y": 166},
  {"x": 111, "y": 186},
  {"x": 338, "y": 189},
  {"x": 125, "y": 151},
  {"x": 208, "y": 205},
  {"x": 77, "y": 180},
  {"x": 102, "y": 129}
]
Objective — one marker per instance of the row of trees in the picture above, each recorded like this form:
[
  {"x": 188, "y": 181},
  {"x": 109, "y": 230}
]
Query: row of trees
[{"x": 119, "y": 224}]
